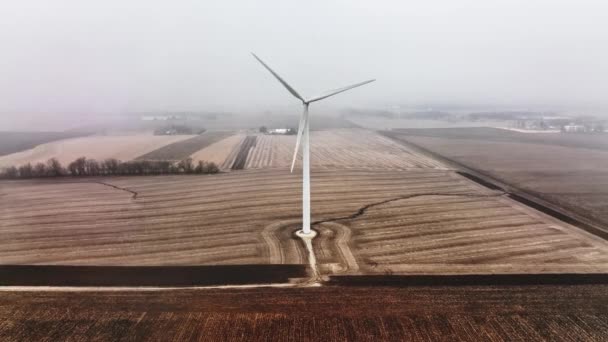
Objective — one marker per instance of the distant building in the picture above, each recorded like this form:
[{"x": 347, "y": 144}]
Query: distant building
[
  {"x": 160, "y": 117},
  {"x": 278, "y": 131},
  {"x": 574, "y": 129}
]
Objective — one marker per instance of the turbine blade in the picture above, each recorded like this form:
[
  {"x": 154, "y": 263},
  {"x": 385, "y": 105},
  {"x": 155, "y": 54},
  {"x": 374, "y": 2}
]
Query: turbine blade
[
  {"x": 337, "y": 91},
  {"x": 303, "y": 119},
  {"x": 285, "y": 84}
]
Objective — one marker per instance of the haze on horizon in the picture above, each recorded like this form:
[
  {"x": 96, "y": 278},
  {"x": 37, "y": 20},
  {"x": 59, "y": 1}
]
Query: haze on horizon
[{"x": 84, "y": 58}]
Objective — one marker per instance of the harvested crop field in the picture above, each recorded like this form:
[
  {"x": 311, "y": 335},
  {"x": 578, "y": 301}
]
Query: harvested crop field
[
  {"x": 221, "y": 152},
  {"x": 563, "y": 170},
  {"x": 123, "y": 148},
  {"x": 371, "y": 222},
  {"x": 12, "y": 142},
  {"x": 339, "y": 149},
  {"x": 185, "y": 148},
  {"x": 243, "y": 154},
  {"x": 594, "y": 141},
  {"x": 489, "y": 313},
  {"x": 384, "y": 213}
]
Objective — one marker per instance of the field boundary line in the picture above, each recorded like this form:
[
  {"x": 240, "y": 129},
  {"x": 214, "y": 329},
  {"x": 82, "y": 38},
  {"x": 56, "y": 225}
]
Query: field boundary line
[
  {"x": 362, "y": 210},
  {"x": 134, "y": 194}
]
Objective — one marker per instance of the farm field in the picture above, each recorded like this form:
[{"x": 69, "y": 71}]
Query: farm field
[
  {"x": 572, "y": 177},
  {"x": 338, "y": 149},
  {"x": 370, "y": 222},
  {"x": 245, "y": 148},
  {"x": 383, "y": 123},
  {"x": 12, "y": 142},
  {"x": 588, "y": 141},
  {"x": 330, "y": 313},
  {"x": 220, "y": 152},
  {"x": 121, "y": 147},
  {"x": 354, "y": 148},
  {"x": 184, "y": 148}
]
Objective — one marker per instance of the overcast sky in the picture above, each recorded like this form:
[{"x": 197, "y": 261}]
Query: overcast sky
[{"x": 113, "y": 56}]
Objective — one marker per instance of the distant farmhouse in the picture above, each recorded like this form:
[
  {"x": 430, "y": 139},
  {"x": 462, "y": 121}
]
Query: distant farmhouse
[
  {"x": 178, "y": 116},
  {"x": 572, "y": 128},
  {"x": 584, "y": 127},
  {"x": 565, "y": 124},
  {"x": 541, "y": 122},
  {"x": 159, "y": 117},
  {"x": 277, "y": 131}
]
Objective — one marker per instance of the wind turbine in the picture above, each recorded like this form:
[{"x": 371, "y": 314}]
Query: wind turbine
[{"x": 303, "y": 135}]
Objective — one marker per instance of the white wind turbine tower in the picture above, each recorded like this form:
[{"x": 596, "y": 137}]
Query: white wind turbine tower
[{"x": 303, "y": 133}]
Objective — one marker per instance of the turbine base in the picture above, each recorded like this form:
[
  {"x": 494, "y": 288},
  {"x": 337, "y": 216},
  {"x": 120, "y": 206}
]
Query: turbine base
[{"x": 300, "y": 233}]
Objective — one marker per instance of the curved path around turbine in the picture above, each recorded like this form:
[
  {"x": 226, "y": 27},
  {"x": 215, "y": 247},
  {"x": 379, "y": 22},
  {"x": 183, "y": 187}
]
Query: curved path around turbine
[{"x": 328, "y": 253}]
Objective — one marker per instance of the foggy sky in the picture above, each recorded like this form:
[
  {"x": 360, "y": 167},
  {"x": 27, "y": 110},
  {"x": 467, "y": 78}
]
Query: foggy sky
[{"x": 115, "y": 56}]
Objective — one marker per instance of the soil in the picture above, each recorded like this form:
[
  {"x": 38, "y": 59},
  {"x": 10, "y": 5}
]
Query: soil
[
  {"x": 422, "y": 221},
  {"x": 172, "y": 276},
  {"x": 331, "y": 313},
  {"x": 241, "y": 158},
  {"x": 184, "y": 149},
  {"x": 566, "y": 171}
]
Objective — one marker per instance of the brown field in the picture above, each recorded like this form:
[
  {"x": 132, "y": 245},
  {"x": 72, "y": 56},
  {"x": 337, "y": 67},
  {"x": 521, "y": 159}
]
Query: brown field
[
  {"x": 242, "y": 156},
  {"x": 220, "y": 152},
  {"x": 384, "y": 213},
  {"x": 595, "y": 141},
  {"x": 339, "y": 149},
  {"x": 185, "y": 148},
  {"x": 12, "y": 142},
  {"x": 123, "y": 148},
  {"x": 463, "y": 313},
  {"x": 562, "y": 172},
  {"x": 375, "y": 222},
  {"x": 349, "y": 148}
]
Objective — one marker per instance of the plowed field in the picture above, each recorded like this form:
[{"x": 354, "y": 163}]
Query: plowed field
[
  {"x": 340, "y": 148},
  {"x": 123, "y": 148},
  {"x": 371, "y": 222},
  {"x": 471, "y": 313}
]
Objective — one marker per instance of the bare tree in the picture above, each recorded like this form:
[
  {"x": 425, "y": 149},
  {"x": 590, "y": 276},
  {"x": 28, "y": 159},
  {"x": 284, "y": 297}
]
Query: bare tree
[
  {"x": 40, "y": 170},
  {"x": 11, "y": 172},
  {"x": 92, "y": 167},
  {"x": 199, "y": 167},
  {"x": 77, "y": 167},
  {"x": 111, "y": 166},
  {"x": 54, "y": 168},
  {"x": 165, "y": 167},
  {"x": 26, "y": 171},
  {"x": 212, "y": 168},
  {"x": 206, "y": 167},
  {"x": 186, "y": 166}
]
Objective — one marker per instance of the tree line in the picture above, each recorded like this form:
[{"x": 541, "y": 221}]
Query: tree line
[{"x": 109, "y": 167}]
